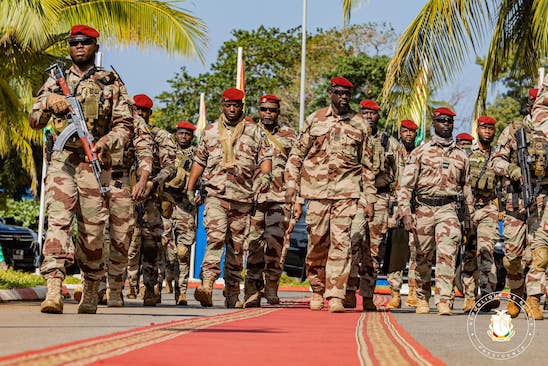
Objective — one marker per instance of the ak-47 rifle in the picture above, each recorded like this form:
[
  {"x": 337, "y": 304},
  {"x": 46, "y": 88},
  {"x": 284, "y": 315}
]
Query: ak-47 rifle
[
  {"x": 524, "y": 161},
  {"x": 287, "y": 238},
  {"x": 77, "y": 125}
]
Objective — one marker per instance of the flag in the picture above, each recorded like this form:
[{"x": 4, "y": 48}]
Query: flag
[{"x": 200, "y": 125}]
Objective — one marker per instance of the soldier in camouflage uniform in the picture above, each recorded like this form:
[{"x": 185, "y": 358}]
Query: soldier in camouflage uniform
[
  {"x": 71, "y": 187},
  {"x": 478, "y": 267},
  {"x": 331, "y": 167},
  {"x": 403, "y": 247},
  {"x": 271, "y": 219},
  {"x": 464, "y": 140},
  {"x": 182, "y": 222},
  {"x": 230, "y": 151},
  {"x": 515, "y": 221},
  {"x": 148, "y": 241},
  {"x": 438, "y": 173}
]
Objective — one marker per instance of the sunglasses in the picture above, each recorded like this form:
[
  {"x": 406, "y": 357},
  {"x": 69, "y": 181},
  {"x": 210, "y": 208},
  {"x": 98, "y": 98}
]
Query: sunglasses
[
  {"x": 83, "y": 41},
  {"x": 340, "y": 92},
  {"x": 444, "y": 120},
  {"x": 264, "y": 109}
]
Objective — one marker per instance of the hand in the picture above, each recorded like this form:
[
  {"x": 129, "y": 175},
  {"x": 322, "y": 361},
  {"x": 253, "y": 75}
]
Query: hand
[
  {"x": 191, "y": 195},
  {"x": 160, "y": 178},
  {"x": 514, "y": 172},
  {"x": 369, "y": 211},
  {"x": 297, "y": 211},
  {"x": 101, "y": 150},
  {"x": 58, "y": 104},
  {"x": 264, "y": 184},
  {"x": 408, "y": 223},
  {"x": 139, "y": 190}
]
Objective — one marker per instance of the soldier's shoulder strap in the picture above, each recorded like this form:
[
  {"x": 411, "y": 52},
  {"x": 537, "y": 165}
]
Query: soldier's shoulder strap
[{"x": 273, "y": 139}]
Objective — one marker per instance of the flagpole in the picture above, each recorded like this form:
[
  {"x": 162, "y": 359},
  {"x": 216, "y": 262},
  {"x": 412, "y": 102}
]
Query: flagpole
[
  {"x": 42, "y": 214},
  {"x": 303, "y": 69},
  {"x": 239, "y": 69}
]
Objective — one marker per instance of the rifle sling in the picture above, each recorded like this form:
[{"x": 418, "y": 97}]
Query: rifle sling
[{"x": 273, "y": 139}]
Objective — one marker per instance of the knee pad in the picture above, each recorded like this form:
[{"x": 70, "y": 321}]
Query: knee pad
[
  {"x": 512, "y": 266},
  {"x": 540, "y": 258},
  {"x": 183, "y": 252},
  {"x": 149, "y": 249}
]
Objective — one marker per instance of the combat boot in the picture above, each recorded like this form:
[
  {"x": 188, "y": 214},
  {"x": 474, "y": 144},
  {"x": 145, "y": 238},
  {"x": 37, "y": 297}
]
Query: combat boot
[
  {"x": 77, "y": 294},
  {"x": 90, "y": 297},
  {"x": 132, "y": 294},
  {"x": 53, "y": 303},
  {"x": 336, "y": 305},
  {"x": 181, "y": 300},
  {"x": 411, "y": 297},
  {"x": 204, "y": 292},
  {"x": 444, "y": 308},
  {"x": 368, "y": 304},
  {"x": 546, "y": 303},
  {"x": 150, "y": 298},
  {"x": 102, "y": 296},
  {"x": 395, "y": 301},
  {"x": 252, "y": 294},
  {"x": 232, "y": 297},
  {"x": 115, "y": 298},
  {"x": 469, "y": 304},
  {"x": 349, "y": 301},
  {"x": 316, "y": 301},
  {"x": 158, "y": 294},
  {"x": 512, "y": 309},
  {"x": 169, "y": 287},
  {"x": 271, "y": 292},
  {"x": 422, "y": 307},
  {"x": 533, "y": 308}
]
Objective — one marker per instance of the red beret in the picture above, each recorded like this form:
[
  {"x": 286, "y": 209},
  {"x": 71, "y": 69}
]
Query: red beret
[
  {"x": 269, "y": 98},
  {"x": 142, "y": 101},
  {"x": 340, "y": 81},
  {"x": 369, "y": 104},
  {"x": 407, "y": 123},
  {"x": 232, "y": 94},
  {"x": 486, "y": 120},
  {"x": 443, "y": 111},
  {"x": 85, "y": 30},
  {"x": 533, "y": 93},
  {"x": 465, "y": 136},
  {"x": 185, "y": 125}
]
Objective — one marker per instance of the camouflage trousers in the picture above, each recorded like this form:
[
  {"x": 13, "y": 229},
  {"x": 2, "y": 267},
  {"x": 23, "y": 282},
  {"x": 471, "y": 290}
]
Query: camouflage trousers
[
  {"x": 71, "y": 190},
  {"x": 537, "y": 236},
  {"x": 225, "y": 224},
  {"x": 439, "y": 232},
  {"x": 403, "y": 250},
  {"x": 359, "y": 236},
  {"x": 265, "y": 241},
  {"x": 329, "y": 245},
  {"x": 178, "y": 237}
]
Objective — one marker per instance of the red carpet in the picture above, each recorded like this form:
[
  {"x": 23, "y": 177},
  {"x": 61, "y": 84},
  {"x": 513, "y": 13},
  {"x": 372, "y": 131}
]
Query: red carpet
[{"x": 288, "y": 335}]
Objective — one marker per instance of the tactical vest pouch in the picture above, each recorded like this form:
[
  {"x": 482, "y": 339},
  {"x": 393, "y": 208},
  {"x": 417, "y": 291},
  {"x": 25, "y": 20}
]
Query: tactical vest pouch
[
  {"x": 378, "y": 157},
  {"x": 537, "y": 151}
]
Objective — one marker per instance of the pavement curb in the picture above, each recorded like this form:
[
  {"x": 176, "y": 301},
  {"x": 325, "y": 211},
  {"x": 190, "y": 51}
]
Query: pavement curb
[{"x": 32, "y": 293}]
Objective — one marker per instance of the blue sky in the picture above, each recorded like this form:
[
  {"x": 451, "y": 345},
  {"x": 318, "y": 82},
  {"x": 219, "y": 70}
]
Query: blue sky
[{"x": 147, "y": 70}]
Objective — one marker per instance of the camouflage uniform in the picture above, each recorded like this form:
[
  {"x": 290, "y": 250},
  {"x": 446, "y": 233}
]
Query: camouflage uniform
[
  {"x": 229, "y": 187},
  {"x": 331, "y": 167},
  {"x": 438, "y": 172},
  {"x": 71, "y": 187},
  {"x": 271, "y": 219}
]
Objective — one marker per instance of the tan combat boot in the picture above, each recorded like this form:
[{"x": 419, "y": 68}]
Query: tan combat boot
[
  {"x": 411, "y": 297},
  {"x": 533, "y": 310},
  {"x": 316, "y": 301},
  {"x": 368, "y": 304},
  {"x": 546, "y": 303},
  {"x": 252, "y": 294},
  {"x": 422, "y": 307},
  {"x": 232, "y": 296},
  {"x": 158, "y": 294},
  {"x": 132, "y": 293},
  {"x": 349, "y": 301},
  {"x": 90, "y": 297},
  {"x": 102, "y": 296},
  {"x": 204, "y": 292},
  {"x": 444, "y": 308},
  {"x": 77, "y": 294},
  {"x": 395, "y": 301},
  {"x": 149, "y": 297},
  {"x": 271, "y": 292},
  {"x": 336, "y": 305},
  {"x": 181, "y": 300},
  {"x": 169, "y": 287},
  {"x": 115, "y": 298},
  {"x": 469, "y": 304},
  {"x": 512, "y": 309},
  {"x": 53, "y": 303}
]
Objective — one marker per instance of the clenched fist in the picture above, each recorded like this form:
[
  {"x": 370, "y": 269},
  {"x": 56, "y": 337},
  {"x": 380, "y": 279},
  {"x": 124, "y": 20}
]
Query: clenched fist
[{"x": 58, "y": 104}]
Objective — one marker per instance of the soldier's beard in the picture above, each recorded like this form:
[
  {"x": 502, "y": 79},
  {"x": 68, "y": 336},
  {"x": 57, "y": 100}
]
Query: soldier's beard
[
  {"x": 486, "y": 142},
  {"x": 409, "y": 145}
]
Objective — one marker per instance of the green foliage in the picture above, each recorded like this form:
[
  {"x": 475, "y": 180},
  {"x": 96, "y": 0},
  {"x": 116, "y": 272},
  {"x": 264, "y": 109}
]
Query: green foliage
[
  {"x": 71, "y": 280},
  {"x": 24, "y": 212},
  {"x": 17, "y": 279},
  {"x": 285, "y": 280},
  {"x": 504, "y": 109}
]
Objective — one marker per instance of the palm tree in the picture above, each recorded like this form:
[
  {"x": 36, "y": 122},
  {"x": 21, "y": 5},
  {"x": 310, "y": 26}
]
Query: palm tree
[
  {"x": 437, "y": 43},
  {"x": 34, "y": 32}
]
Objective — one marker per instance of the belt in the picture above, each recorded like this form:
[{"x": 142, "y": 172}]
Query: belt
[
  {"x": 118, "y": 175},
  {"x": 385, "y": 189},
  {"x": 436, "y": 201}
]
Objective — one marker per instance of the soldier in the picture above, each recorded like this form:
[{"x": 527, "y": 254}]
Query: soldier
[
  {"x": 149, "y": 240},
  {"x": 331, "y": 167},
  {"x": 230, "y": 151},
  {"x": 438, "y": 173},
  {"x": 464, "y": 140},
  {"x": 72, "y": 189},
  {"x": 403, "y": 247},
  {"x": 478, "y": 267},
  {"x": 515, "y": 222},
  {"x": 181, "y": 224},
  {"x": 271, "y": 219}
]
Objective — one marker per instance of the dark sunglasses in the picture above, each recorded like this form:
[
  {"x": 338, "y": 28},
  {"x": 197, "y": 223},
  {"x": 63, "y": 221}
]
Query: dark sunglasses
[
  {"x": 264, "y": 109},
  {"x": 444, "y": 120},
  {"x": 340, "y": 92},
  {"x": 83, "y": 41}
]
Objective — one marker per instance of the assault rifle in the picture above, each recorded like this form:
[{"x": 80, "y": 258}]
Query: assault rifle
[
  {"x": 524, "y": 160},
  {"x": 77, "y": 125}
]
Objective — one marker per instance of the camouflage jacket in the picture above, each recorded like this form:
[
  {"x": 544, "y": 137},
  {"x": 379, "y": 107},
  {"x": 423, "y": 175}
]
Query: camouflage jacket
[
  {"x": 164, "y": 152},
  {"x": 483, "y": 178},
  {"x": 105, "y": 106},
  {"x": 385, "y": 150},
  {"x": 140, "y": 148},
  {"x": 540, "y": 110},
  {"x": 331, "y": 159},
  {"x": 286, "y": 137},
  {"x": 435, "y": 170},
  {"x": 183, "y": 163},
  {"x": 250, "y": 150}
]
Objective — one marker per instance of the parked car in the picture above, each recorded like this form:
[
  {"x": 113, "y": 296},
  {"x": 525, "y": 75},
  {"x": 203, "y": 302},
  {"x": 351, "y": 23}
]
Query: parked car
[
  {"x": 295, "y": 265},
  {"x": 20, "y": 246}
]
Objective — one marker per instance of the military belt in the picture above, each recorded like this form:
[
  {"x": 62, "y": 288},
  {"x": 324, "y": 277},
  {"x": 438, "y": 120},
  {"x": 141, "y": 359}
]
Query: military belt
[
  {"x": 436, "y": 201},
  {"x": 382, "y": 190}
]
